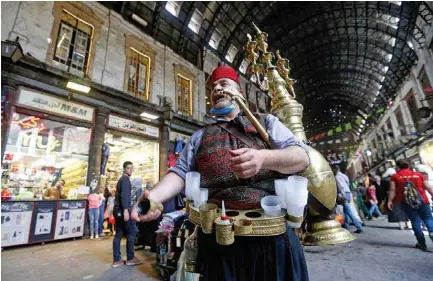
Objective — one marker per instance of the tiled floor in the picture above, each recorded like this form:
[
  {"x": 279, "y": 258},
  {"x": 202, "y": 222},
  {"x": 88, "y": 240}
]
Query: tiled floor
[{"x": 382, "y": 253}]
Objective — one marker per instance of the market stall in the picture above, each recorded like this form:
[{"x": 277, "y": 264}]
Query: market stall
[
  {"x": 48, "y": 139},
  {"x": 128, "y": 140},
  {"x": 28, "y": 222}
]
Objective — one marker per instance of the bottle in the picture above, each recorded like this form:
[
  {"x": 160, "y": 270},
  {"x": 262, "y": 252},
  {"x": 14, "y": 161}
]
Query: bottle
[
  {"x": 163, "y": 254},
  {"x": 224, "y": 219}
]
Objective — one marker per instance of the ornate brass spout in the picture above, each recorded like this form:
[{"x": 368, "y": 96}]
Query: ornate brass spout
[{"x": 323, "y": 229}]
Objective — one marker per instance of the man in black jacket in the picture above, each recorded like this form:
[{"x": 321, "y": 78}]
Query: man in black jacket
[{"x": 124, "y": 225}]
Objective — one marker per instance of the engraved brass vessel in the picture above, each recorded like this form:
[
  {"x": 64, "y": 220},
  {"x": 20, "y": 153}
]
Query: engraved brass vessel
[{"x": 322, "y": 227}]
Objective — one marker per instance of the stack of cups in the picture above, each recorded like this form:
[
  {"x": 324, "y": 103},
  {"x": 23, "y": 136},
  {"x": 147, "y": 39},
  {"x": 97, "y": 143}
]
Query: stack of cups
[
  {"x": 200, "y": 196},
  {"x": 192, "y": 184},
  {"x": 296, "y": 194},
  {"x": 280, "y": 191}
]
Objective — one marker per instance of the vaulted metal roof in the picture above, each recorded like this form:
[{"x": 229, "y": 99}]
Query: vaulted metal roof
[{"x": 349, "y": 58}]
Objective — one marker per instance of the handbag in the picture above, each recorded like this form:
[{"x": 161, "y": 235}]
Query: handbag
[
  {"x": 111, "y": 220},
  {"x": 340, "y": 199}
]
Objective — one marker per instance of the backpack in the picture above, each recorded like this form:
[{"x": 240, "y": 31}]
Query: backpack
[{"x": 411, "y": 195}]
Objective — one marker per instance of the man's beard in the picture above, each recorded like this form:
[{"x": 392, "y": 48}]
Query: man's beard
[{"x": 223, "y": 104}]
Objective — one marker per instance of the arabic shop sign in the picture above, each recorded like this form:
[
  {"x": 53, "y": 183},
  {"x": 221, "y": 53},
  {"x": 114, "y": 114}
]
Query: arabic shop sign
[
  {"x": 55, "y": 105},
  {"x": 124, "y": 124}
]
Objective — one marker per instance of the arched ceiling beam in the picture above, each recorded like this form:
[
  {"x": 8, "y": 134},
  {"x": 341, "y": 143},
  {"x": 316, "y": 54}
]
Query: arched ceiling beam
[
  {"x": 320, "y": 86},
  {"x": 322, "y": 13},
  {"x": 347, "y": 75},
  {"x": 387, "y": 48}
]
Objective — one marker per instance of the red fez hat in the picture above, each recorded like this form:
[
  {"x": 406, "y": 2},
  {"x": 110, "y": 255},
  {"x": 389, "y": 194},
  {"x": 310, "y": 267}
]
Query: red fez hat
[{"x": 225, "y": 71}]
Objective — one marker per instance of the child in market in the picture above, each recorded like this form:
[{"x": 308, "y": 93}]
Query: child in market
[
  {"x": 109, "y": 211},
  {"x": 95, "y": 200}
]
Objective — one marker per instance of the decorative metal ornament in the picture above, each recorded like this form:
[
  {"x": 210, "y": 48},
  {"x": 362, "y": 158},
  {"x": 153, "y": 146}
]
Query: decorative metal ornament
[{"x": 321, "y": 224}]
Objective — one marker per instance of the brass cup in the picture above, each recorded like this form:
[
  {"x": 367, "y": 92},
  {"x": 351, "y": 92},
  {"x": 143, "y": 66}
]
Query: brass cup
[
  {"x": 243, "y": 227},
  {"x": 224, "y": 232},
  {"x": 187, "y": 206},
  {"x": 208, "y": 213}
]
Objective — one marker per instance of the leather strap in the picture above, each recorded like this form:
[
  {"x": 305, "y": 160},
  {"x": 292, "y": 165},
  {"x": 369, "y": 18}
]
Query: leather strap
[{"x": 236, "y": 132}]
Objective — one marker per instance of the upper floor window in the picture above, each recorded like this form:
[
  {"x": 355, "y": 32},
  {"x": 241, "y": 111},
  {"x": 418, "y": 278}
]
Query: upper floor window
[
  {"x": 426, "y": 87},
  {"x": 196, "y": 21},
  {"x": 244, "y": 66},
  {"x": 173, "y": 7},
  {"x": 184, "y": 95},
  {"x": 413, "y": 109},
  {"x": 400, "y": 121},
  {"x": 215, "y": 39},
  {"x": 73, "y": 43},
  {"x": 138, "y": 74},
  {"x": 231, "y": 53}
]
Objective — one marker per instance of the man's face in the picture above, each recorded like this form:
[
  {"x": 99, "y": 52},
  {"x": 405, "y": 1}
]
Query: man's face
[
  {"x": 60, "y": 184},
  {"x": 218, "y": 98},
  {"x": 128, "y": 170}
]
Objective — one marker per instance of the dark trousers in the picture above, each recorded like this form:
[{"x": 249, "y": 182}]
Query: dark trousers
[
  {"x": 417, "y": 216},
  {"x": 129, "y": 229}
]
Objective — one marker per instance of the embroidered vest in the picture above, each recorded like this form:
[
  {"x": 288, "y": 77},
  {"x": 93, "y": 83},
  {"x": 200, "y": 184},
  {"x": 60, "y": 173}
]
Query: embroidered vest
[{"x": 212, "y": 161}]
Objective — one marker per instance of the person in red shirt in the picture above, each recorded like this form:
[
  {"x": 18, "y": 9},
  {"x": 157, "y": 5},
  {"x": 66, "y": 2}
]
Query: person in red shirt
[{"x": 416, "y": 216}]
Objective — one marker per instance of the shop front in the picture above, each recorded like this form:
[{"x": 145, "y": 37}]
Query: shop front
[
  {"x": 48, "y": 138},
  {"x": 426, "y": 152},
  {"x": 129, "y": 140}
]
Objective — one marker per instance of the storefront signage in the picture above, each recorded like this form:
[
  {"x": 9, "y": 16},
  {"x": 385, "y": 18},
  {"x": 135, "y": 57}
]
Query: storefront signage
[
  {"x": 127, "y": 125},
  {"x": 55, "y": 105},
  {"x": 71, "y": 205},
  {"x": 174, "y": 135},
  {"x": 16, "y": 207},
  {"x": 15, "y": 222},
  {"x": 42, "y": 228},
  {"x": 411, "y": 152},
  {"x": 70, "y": 219}
]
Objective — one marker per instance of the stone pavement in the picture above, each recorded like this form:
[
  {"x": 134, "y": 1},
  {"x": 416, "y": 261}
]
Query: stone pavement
[{"x": 382, "y": 253}]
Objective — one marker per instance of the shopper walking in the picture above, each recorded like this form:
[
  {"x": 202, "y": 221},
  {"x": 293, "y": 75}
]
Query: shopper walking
[
  {"x": 95, "y": 200},
  {"x": 408, "y": 190},
  {"x": 124, "y": 225},
  {"x": 373, "y": 201},
  {"x": 101, "y": 217},
  {"x": 344, "y": 192}
]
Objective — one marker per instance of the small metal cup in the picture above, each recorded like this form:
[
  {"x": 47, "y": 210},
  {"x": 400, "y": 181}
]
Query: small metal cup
[
  {"x": 208, "y": 213},
  {"x": 243, "y": 227},
  {"x": 224, "y": 232}
]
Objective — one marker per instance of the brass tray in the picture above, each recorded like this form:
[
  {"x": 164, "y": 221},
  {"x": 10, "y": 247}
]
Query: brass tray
[{"x": 261, "y": 225}]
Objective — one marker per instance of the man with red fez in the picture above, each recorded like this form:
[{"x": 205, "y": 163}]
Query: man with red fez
[{"x": 238, "y": 166}]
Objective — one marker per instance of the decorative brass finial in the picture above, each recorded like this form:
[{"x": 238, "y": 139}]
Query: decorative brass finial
[
  {"x": 257, "y": 51},
  {"x": 261, "y": 39}
]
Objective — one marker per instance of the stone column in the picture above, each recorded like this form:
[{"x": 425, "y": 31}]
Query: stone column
[
  {"x": 94, "y": 164},
  {"x": 163, "y": 148},
  {"x": 7, "y": 112},
  {"x": 98, "y": 138}
]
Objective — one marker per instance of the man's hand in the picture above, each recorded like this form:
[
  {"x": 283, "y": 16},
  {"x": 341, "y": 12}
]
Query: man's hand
[
  {"x": 232, "y": 92},
  {"x": 246, "y": 162},
  {"x": 126, "y": 215},
  {"x": 390, "y": 205},
  {"x": 150, "y": 216}
]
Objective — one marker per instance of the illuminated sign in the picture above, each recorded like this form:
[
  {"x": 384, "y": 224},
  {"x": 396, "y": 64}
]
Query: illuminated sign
[
  {"x": 29, "y": 122},
  {"x": 124, "y": 124},
  {"x": 55, "y": 105}
]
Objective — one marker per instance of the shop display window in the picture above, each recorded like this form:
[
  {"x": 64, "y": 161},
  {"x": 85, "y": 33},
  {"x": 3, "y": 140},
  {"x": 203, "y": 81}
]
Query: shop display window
[
  {"x": 142, "y": 152},
  {"x": 39, "y": 152}
]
